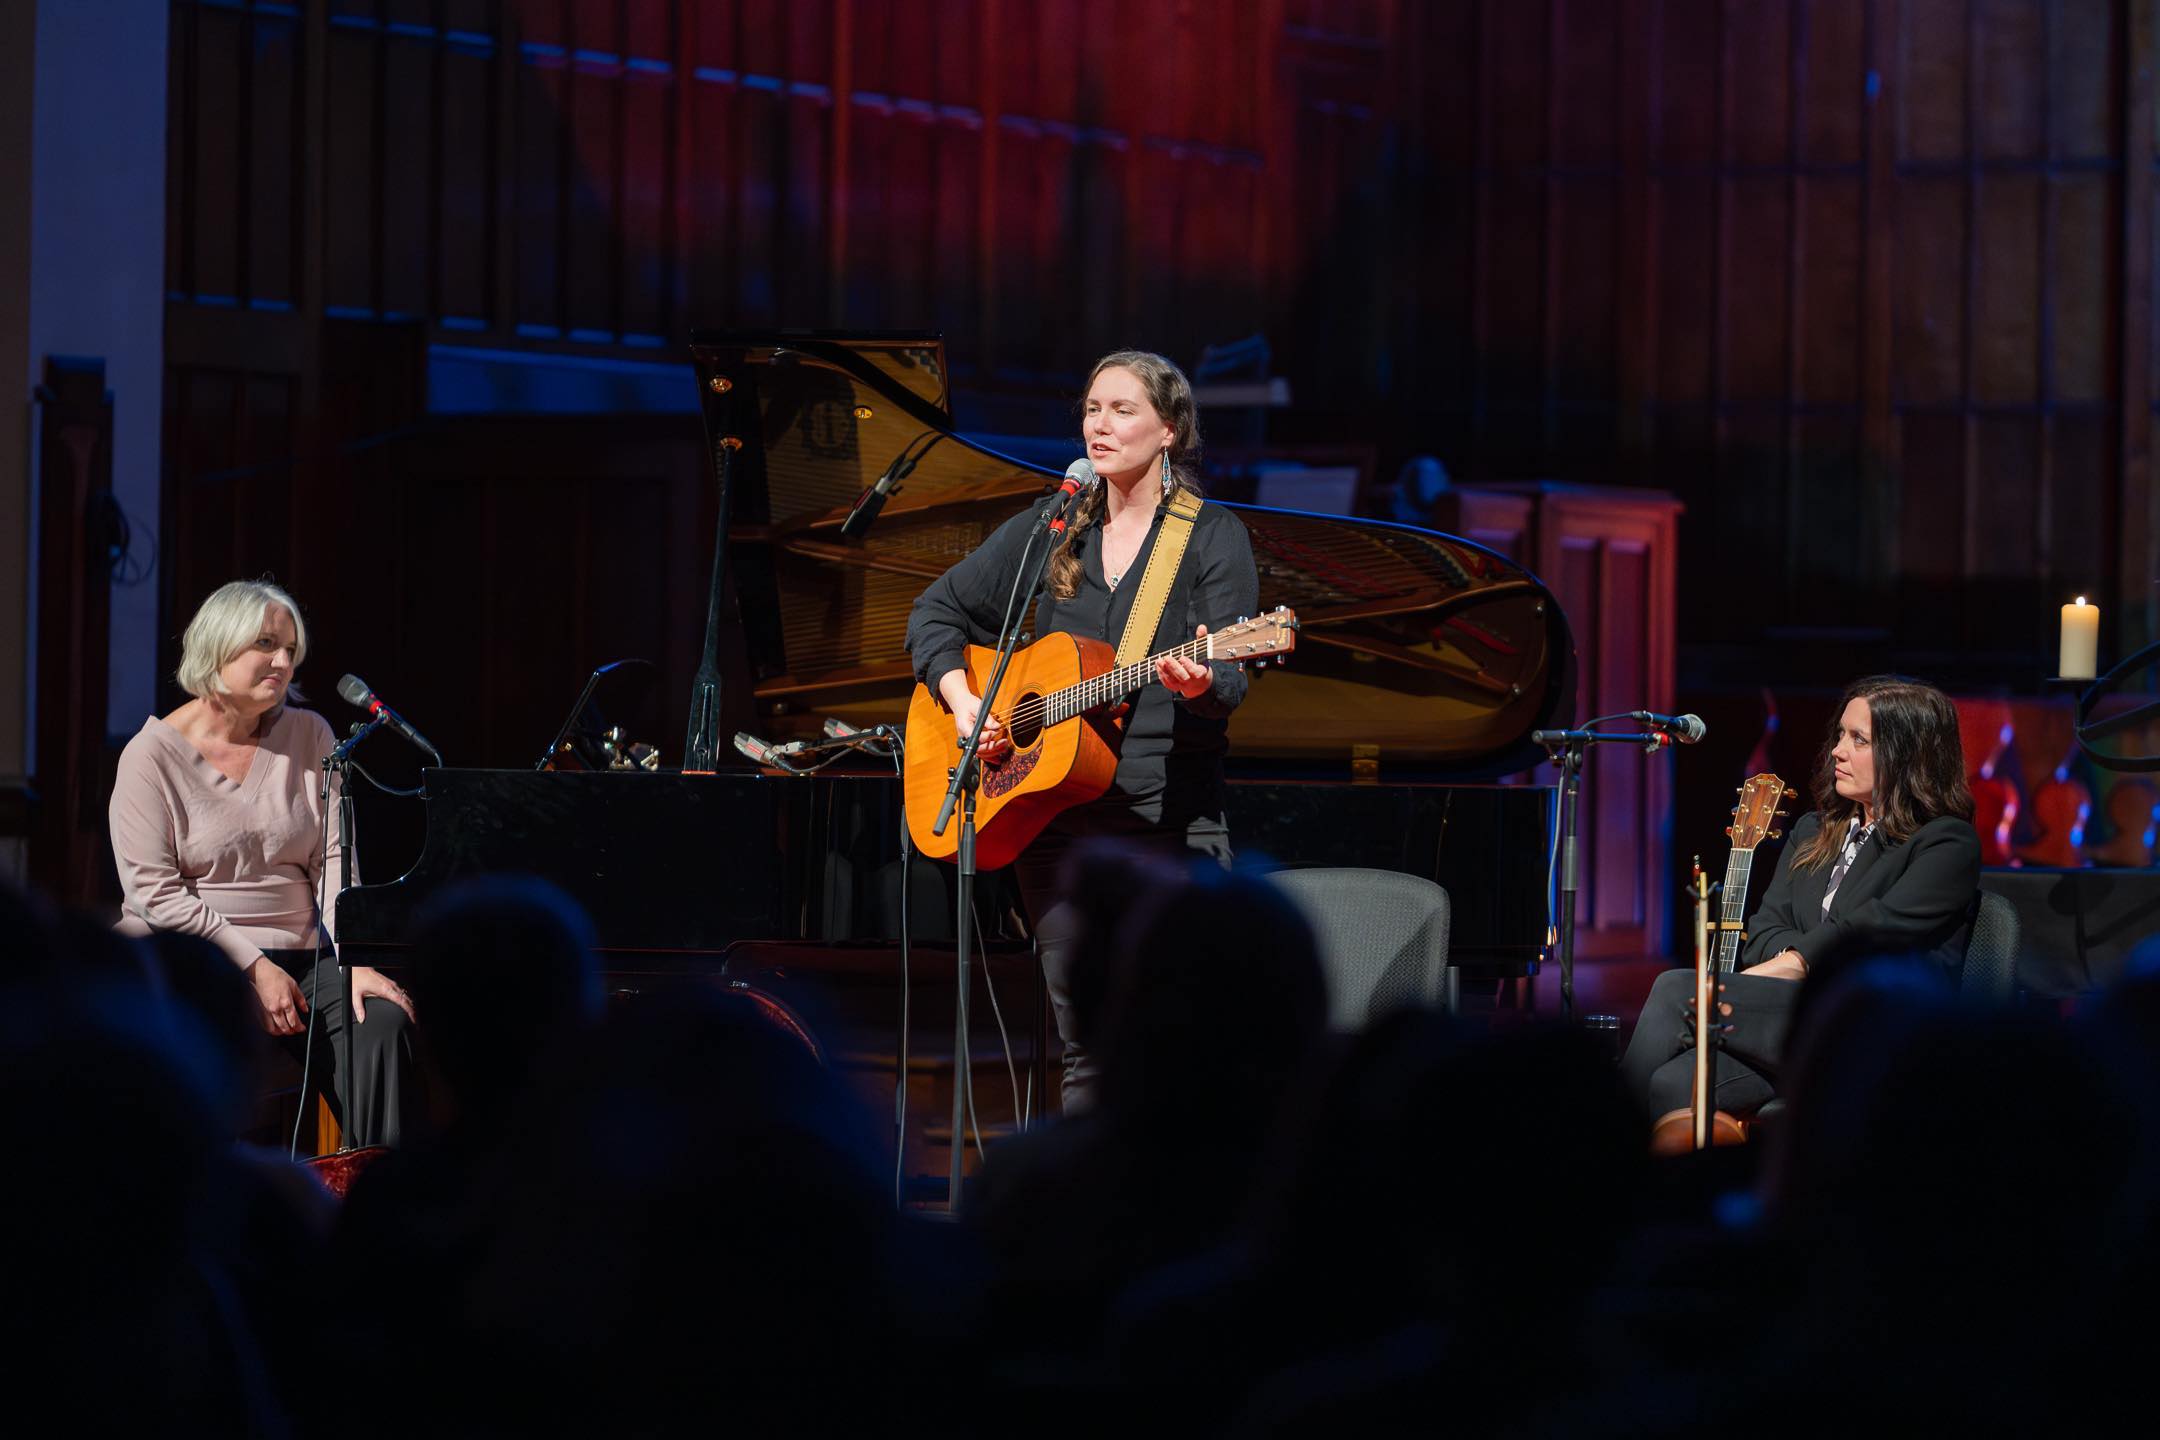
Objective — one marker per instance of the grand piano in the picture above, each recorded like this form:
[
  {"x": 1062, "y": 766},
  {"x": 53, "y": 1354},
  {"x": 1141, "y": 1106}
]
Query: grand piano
[{"x": 1424, "y": 661}]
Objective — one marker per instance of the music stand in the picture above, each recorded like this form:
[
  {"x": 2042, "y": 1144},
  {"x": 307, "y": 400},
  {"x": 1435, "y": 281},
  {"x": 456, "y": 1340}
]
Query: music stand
[{"x": 577, "y": 711}]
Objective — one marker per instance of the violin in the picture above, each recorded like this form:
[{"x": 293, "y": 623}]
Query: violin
[{"x": 1700, "y": 1124}]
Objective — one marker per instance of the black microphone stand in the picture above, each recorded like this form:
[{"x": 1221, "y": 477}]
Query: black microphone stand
[
  {"x": 337, "y": 762},
  {"x": 966, "y": 777},
  {"x": 1567, "y": 749},
  {"x": 701, "y": 745}
]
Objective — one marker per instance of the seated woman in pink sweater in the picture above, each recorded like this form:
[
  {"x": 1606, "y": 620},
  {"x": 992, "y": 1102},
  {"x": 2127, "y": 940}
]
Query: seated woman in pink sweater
[{"x": 218, "y": 831}]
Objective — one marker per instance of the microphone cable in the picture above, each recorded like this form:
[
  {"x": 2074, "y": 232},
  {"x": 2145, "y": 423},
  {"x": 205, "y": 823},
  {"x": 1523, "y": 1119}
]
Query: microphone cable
[
  {"x": 315, "y": 921},
  {"x": 1552, "y": 848},
  {"x": 900, "y": 1085},
  {"x": 1012, "y": 1073}
]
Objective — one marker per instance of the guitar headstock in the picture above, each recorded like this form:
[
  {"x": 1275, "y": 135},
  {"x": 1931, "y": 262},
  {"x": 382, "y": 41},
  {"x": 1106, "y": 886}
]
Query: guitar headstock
[
  {"x": 1757, "y": 814},
  {"x": 1274, "y": 633}
]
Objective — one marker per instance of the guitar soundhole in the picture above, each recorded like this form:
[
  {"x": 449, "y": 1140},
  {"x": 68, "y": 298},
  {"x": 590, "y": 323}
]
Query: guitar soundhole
[{"x": 1026, "y": 732}]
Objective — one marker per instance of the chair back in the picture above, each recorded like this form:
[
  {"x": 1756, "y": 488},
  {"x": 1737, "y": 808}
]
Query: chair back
[
  {"x": 1383, "y": 939},
  {"x": 1990, "y": 973}
]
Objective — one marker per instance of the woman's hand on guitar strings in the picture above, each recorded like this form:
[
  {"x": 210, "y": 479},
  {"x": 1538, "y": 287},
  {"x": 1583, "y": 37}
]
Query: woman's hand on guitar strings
[
  {"x": 1189, "y": 679},
  {"x": 965, "y": 705}
]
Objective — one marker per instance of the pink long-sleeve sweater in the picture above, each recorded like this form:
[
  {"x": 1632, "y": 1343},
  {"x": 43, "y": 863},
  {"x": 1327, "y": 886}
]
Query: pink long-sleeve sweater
[{"x": 233, "y": 863}]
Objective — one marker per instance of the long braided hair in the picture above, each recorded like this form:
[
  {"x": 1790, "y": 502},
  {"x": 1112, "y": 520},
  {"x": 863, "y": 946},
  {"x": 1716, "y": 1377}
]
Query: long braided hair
[{"x": 1171, "y": 394}]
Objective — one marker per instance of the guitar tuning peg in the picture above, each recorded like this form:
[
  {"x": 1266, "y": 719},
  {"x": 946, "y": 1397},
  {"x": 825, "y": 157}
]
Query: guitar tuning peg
[{"x": 1777, "y": 834}]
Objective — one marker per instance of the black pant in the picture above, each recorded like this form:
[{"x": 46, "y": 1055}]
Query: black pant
[
  {"x": 1660, "y": 1063},
  {"x": 1055, "y": 918},
  {"x": 374, "y": 1111}
]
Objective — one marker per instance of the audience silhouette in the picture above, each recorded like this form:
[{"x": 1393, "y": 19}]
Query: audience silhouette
[{"x": 668, "y": 1213}]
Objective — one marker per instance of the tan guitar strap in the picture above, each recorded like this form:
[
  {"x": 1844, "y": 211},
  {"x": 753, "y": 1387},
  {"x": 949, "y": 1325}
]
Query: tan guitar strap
[{"x": 1162, "y": 568}]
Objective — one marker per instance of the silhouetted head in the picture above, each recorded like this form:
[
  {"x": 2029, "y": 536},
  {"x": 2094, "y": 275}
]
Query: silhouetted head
[
  {"x": 503, "y": 973},
  {"x": 700, "y": 1221},
  {"x": 1935, "y": 1156},
  {"x": 1216, "y": 999},
  {"x": 1103, "y": 879},
  {"x": 203, "y": 981},
  {"x": 27, "y": 947}
]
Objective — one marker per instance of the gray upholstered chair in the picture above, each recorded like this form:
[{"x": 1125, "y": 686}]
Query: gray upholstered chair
[
  {"x": 1383, "y": 939},
  {"x": 1990, "y": 974}
]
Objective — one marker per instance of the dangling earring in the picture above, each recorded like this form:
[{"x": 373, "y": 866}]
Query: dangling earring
[{"x": 1167, "y": 482}]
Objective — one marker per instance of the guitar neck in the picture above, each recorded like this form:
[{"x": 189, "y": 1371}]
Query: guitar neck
[
  {"x": 1114, "y": 685},
  {"x": 1732, "y": 909}
]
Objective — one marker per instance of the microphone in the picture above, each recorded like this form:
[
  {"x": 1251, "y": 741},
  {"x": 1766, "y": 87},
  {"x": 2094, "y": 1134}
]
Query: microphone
[
  {"x": 758, "y": 750},
  {"x": 873, "y": 499},
  {"x": 356, "y": 692},
  {"x": 1684, "y": 729},
  {"x": 1080, "y": 478}
]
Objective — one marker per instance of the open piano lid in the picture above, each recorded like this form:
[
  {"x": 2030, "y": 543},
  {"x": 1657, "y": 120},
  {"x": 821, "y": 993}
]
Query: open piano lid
[{"x": 1441, "y": 653}]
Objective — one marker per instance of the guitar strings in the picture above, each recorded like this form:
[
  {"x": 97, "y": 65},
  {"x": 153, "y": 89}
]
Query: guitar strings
[{"x": 1098, "y": 690}]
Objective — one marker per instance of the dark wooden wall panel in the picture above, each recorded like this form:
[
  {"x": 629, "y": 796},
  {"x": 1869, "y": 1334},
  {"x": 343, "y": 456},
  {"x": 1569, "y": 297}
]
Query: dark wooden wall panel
[
  {"x": 1930, "y": 356},
  {"x": 591, "y": 98},
  {"x": 2085, "y": 95},
  {"x": 2006, "y": 299},
  {"x": 2083, "y": 325},
  {"x": 352, "y": 216},
  {"x": 1866, "y": 282},
  {"x": 410, "y": 71},
  {"x": 539, "y": 163},
  {"x": 230, "y": 436},
  {"x": 2010, "y": 81},
  {"x": 218, "y": 41},
  {"x": 1830, "y": 249},
  {"x": 274, "y": 127},
  {"x": 1833, "y": 128},
  {"x": 1933, "y": 36},
  {"x": 466, "y": 188}
]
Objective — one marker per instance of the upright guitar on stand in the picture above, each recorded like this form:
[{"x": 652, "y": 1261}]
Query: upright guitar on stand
[
  {"x": 1702, "y": 1124},
  {"x": 1064, "y": 737}
]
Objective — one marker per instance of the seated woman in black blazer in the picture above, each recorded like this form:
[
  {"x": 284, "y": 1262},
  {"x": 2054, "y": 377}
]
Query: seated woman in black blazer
[{"x": 1888, "y": 863}]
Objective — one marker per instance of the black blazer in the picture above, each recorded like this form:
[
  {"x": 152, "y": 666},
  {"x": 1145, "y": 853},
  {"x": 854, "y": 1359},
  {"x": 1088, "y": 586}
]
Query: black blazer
[{"x": 1917, "y": 896}]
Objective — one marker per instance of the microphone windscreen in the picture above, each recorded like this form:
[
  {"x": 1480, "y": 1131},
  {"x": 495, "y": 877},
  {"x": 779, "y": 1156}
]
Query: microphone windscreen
[
  {"x": 1081, "y": 471},
  {"x": 354, "y": 689},
  {"x": 1692, "y": 728}
]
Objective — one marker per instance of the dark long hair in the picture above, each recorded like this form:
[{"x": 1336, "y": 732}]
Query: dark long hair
[
  {"x": 1919, "y": 765},
  {"x": 1171, "y": 394}
]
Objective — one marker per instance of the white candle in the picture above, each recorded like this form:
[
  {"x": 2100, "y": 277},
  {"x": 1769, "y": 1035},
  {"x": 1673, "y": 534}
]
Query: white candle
[{"x": 2080, "y": 641}]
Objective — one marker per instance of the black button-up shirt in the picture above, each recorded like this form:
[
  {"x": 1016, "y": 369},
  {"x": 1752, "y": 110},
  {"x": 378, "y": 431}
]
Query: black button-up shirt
[{"x": 1170, "y": 765}]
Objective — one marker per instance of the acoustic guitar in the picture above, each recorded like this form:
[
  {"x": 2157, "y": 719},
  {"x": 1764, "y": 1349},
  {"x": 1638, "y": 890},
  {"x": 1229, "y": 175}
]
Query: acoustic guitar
[
  {"x": 1701, "y": 1124},
  {"x": 1059, "y": 705}
]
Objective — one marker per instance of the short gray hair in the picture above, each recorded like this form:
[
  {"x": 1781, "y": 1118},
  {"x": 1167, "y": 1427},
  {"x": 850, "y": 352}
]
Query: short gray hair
[{"x": 227, "y": 624}]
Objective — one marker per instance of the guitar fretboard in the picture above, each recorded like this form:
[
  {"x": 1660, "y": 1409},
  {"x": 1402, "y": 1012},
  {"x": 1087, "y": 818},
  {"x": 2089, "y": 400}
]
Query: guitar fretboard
[
  {"x": 1104, "y": 689},
  {"x": 1732, "y": 905}
]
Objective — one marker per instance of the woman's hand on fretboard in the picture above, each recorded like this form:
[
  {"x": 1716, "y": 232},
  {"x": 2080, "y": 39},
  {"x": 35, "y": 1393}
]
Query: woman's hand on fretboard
[{"x": 1189, "y": 679}]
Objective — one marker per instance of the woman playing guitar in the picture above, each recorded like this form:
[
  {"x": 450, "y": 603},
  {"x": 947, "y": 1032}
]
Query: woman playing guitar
[
  {"x": 1142, "y": 435},
  {"x": 1887, "y": 864}
]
